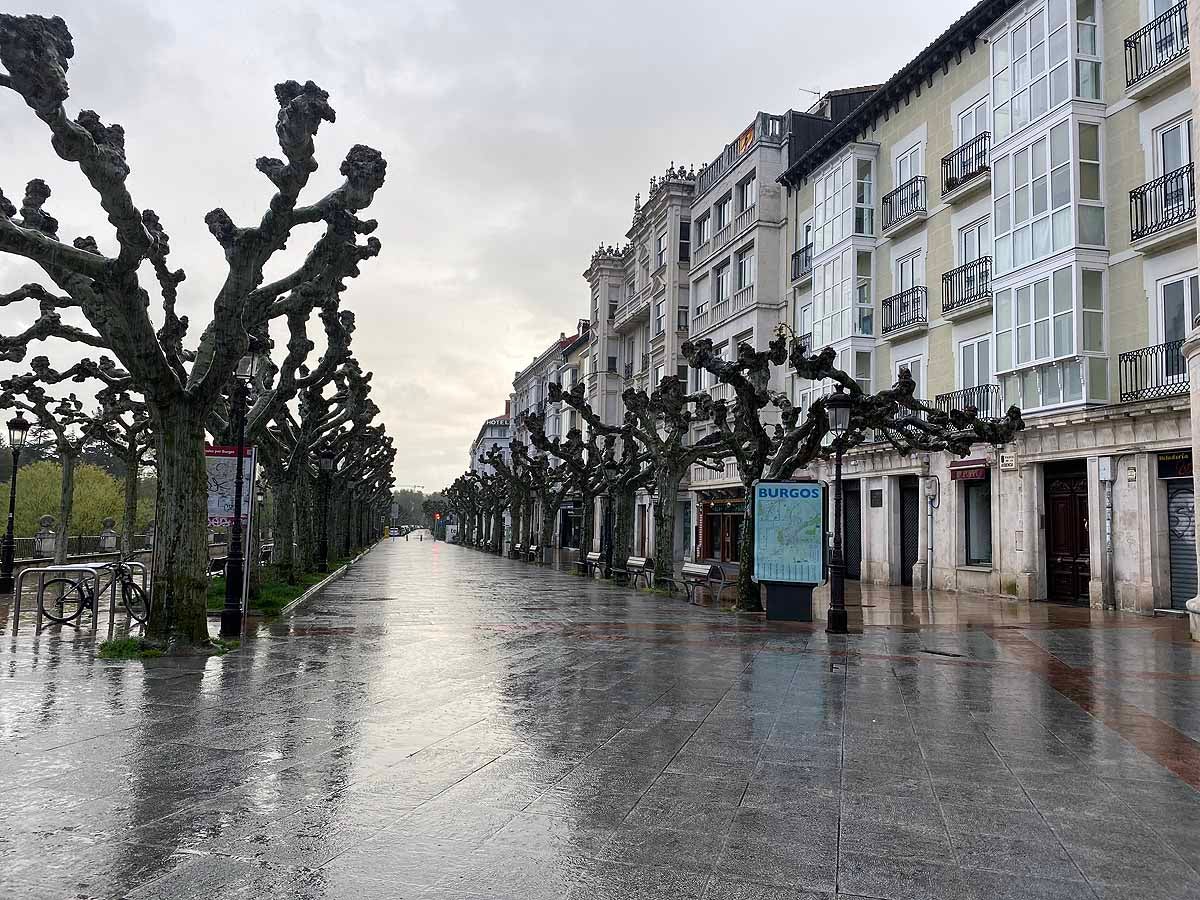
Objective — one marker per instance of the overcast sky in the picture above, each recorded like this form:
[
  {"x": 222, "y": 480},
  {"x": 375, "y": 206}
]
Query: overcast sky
[{"x": 516, "y": 135}]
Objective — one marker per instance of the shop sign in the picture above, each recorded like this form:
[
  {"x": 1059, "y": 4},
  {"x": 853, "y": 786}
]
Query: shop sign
[
  {"x": 1175, "y": 464},
  {"x": 969, "y": 470},
  {"x": 1008, "y": 462},
  {"x": 789, "y": 532}
]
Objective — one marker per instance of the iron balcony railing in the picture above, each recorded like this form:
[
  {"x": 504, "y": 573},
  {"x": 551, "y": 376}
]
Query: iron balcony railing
[
  {"x": 984, "y": 398},
  {"x": 1152, "y": 372},
  {"x": 802, "y": 262},
  {"x": 628, "y": 370},
  {"x": 966, "y": 162},
  {"x": 905, "y": 201},
  {"x": 1164, "y": 203},
  {"x": 967, "y": 284},
  {"x": 906, "y": 308},
  {"x": 1157, "y": 45}
]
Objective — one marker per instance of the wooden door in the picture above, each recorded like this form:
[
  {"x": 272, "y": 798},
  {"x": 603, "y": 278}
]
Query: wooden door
[
  {"x": 643, "y": 521},
  {"x": 1068, "y": 555}
]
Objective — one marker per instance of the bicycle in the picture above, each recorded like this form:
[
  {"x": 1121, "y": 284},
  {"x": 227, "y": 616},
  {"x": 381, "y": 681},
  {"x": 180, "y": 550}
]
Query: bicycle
[{"x": 78, "y": 594}]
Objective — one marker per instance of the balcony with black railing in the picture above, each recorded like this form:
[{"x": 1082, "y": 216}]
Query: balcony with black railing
[
  {"x": 1153, "y": 372},
  {"x": 983, "y": 398},
  {"x": 1163, "y": 210},
  {"x": 802, "y": 262},
  {"x": 967, "y": 289},
  {"x": 1155, "y": 53},
  {"x": 965, "y": 166},
  {"x": 906, "y": 312},
  {"x": 905, "y": 206}
]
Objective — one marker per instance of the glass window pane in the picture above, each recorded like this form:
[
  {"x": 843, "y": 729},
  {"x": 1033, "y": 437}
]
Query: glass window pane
[
  {"x": 1036, "y": 32},
  {"x": 1004, "y": 350},
  {"x": 1000, "y": 175},
  {"x": 1020, "y": 40},
  {"x": 1020, "y": 110},
  {"x": 1089, "y": 141},
  {"x": 1062, "y": 289},
  {"x": 1089, "y": 181},
  {"x": 1051, "y": 386},
  {"x": 1037, "y": 156},
  {"x": 1060, "y": 150},
  {"x": 1072, "y": 381},
  {"x": 1093, "y": 331},
  {"x": 1003, "y": 309},
  {"x": 1003, "y": 215},
  {"x": 1041, "y": 198},
  {"x": 1021, "y": 205},
  {"x": 1098, "y": 378},
  {"x": 1087, "y": 79},
  {"x": 1085, "y": 10},
  {"x": 1004, "y": 253},
  {"x": 1023, "y": 348},
  {"x": 1024, "y": 310},
  {"x": 1038, "y": 102},
  {"x": 1041, "y": 340},
  {"x": 1021, "y": 167},
  {"x": 1057, "y": 11},
  {"x": 1059, "y": 85},
  {"x": 1062, "y": 228},
  {"x": 1093, "y": 289},
  {"x": 1086, "y": 35},
  {"x": 999, "y": 54},
  {"x": 1029, "y": 388},
  {"x": 1060, "y": 187},
  {"x": 1002, "y": 123},
  {"x": 1062, "y": 335},
  {"x": 1091, "y": 225},
  {"x": 1058, "y": 46},
  {"x": 1022, "y": 246},
  {"x": 1041, "y": 299}
]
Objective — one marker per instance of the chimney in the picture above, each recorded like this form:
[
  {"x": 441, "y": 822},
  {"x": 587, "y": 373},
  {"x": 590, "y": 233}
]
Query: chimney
[{"x": 507, "y": 409}]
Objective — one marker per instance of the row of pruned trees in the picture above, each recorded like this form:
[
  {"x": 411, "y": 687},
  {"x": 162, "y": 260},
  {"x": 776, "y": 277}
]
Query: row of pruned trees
[
  {"x": 312, "y": 418},
  {"x": 759, "y": 429}
]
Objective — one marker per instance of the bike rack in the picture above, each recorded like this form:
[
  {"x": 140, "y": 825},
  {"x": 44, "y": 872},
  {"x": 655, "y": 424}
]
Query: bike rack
[{"x": 94, "y": 571}]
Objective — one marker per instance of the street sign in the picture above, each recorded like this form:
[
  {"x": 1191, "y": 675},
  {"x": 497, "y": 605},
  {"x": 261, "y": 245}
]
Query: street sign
[
  {"x": 789, "y": 532},
  {"x": 221, "y": 468}
]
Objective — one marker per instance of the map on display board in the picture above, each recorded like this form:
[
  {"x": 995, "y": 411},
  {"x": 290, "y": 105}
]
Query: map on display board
[
  {"x": 789, "y": 532},
  {"x": 221, "y": 463}
]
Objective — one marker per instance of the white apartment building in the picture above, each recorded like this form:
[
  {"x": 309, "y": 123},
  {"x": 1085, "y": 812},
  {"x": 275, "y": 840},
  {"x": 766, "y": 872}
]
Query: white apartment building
[{"x": 1033, "y": 167}]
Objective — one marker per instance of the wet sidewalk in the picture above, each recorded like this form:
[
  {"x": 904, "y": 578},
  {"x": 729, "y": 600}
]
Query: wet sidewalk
[{"x": 446, "y": 724}]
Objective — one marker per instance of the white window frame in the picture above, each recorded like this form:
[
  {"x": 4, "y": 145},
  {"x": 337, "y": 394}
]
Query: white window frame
[
  {"x": 980, "y": 231},
  {"x": 974, "y": 343},
  {"x": 910, "y": 161},
  {"x": 1191, "y": 301},
  {"x": 919, "y": 376},
  {"x": 978, "y": 113},
  {"x": 1184, "y": 123}
]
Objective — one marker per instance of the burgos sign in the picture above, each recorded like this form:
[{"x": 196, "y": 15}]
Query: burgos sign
[{"x": 789, "y": 532}]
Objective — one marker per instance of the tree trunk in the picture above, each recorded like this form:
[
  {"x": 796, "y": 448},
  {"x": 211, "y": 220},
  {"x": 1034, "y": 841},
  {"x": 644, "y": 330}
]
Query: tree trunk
[
  {"x": 588, "y": 525},
  {"x": 283, "y": 556},
  {"x": 530, "y": 501},
  {"x": 66, "y": 501},
  {"x": 666, "y": 493},
  {"x": 549, "y": 513},
  {"x": 497, "y": 545},
  {"x": 307, "y": 511},
  {"x": 129, "y": 522},
  {"x": 748, "y": 597},
  {"x": 626, "y": 503},
  {"x": 178, "y": 611}
]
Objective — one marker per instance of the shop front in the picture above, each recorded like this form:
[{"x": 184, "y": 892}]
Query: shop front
[
  {"x": 1174, "y": 470},
  {"x": 719, "y": 527}
]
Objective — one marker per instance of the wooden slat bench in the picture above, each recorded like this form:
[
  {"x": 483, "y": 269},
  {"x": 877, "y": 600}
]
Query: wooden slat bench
[
  {"x": 636, "y": 567},
  {"x": 589, "y": 565},
  {"x": 697, "y": 575}
]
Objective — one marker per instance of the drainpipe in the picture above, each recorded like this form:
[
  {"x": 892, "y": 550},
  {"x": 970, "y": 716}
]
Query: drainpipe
[
  {"x": 1107, "y": 471},
  {"x": 933, "y": 495}
]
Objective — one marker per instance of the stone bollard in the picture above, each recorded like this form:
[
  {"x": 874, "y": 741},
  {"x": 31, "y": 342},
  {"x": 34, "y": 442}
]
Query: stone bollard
[
  {"x": 108, "y": 536},
  {"x": 45, "y": 540}
]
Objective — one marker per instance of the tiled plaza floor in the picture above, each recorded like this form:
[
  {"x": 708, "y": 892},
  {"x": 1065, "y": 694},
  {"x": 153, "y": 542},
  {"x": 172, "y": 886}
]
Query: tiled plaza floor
[{"x": 445, "y": 724}]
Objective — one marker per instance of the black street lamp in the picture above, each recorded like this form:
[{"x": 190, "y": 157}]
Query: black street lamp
[
  {"x": 837, "y": 407},
  {"x": 18, "y": 430},
  {"x": 235, "y": 559},
  {"x": 325, "y": 461}
]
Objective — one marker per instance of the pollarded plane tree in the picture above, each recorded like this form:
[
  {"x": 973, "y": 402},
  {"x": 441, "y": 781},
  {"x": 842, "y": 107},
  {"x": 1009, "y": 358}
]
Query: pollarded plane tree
[
  {"x": 461, "y": 495},
  {"x": 127, "y": 433},
  {"x": 551, "y": 484},
  {"x": 512, "y": 468},
  {"x": 660, "y": 423},
  {"x": 494, "y": 497},
  {"x": 360, "y": 454},
  {"x": 626, "y": 470},
  {"x": 775, "y": 452},
  {"x": 67, "y": 419},
  {"x": 180, "y": 385},
  {"x": 582, "y": 459}
]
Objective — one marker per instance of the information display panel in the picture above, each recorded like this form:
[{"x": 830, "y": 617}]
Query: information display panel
[{"x": 789, "y": 531}]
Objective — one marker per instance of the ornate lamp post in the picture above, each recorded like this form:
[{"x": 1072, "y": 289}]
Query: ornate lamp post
[
  {"x": 235, "y": 561},
  {"x": 18, "y": 430},
  {"x": 326, "y": 464},
  {"x": 837, "y": 406}
]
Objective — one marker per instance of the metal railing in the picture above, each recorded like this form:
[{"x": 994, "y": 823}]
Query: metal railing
[
  {"x": 967, "y": 284},
  {"x": 1152, "y": 372},
  {"x": 905, "y": 201},
  {"x": 966, "y": 162},
  {"x": 985, "y": 398},
  {"x": 628, "y": 370},
  {"x": 1155, "y": 46},
  {"x": 906, "y": 308},
  {"x": 77, "y": 545},
  {"x": 1163, "y": 203},
  {"x": 802, "y": 262},
  {"x": 743, "y": 297}
]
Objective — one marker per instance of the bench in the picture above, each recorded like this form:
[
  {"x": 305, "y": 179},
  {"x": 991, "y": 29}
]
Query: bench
[
  {"x": 636, "y": 567},
  {"x": 533, "y": 554},
  {"x": 515, "y": 550},
  {"x": 590, "y": 564},
  {"x": 696, "y": 575}
]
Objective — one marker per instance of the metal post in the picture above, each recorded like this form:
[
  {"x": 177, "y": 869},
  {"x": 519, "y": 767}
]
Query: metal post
[
  {"x": 8, "y": 549},
  {"x": 323, "y": 544},
  {"x": 231, "y": 615},
  {"x": 838, "y": 620}
]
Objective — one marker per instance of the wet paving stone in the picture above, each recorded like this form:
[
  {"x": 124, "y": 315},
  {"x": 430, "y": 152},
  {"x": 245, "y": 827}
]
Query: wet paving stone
[{"x": 445, "y": 724}]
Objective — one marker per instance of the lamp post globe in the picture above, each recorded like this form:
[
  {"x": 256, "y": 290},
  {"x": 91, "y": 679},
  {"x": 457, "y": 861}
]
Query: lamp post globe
[
  {"x": 18, "y": 432},
  {"x": 837, "y": 408}
]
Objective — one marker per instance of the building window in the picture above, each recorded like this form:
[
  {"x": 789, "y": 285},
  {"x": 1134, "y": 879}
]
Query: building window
[
  {"x": 916, "y": 368},
  {"x": 1179, "y": 304},
  {"x": 703, "y": 292},
  {"x": 910, "y": 272},
  {"x": 658, "y": 376},
  {"x": 908, "y": 165},
  {"x": 660, "y": 251},
  {"x": 863, "y": 300},
  {"x": 804, "y": 320},
  {"x": 703, "y": 230},
  {"x": 724, "y": 208},
  {"x": 745, "y": 274},
  {"x": 973, "y": 122},
  {"x": 975, "y": 362},
  {"x": 685, "y": 241},
  {"x": 864, "y": 197},
  {"x": 660, "y": 317},
  {"x": 681, "y": 372},
  {"x": 747, "y": 192},
  {"x": 612, "y": 309},
  {"x": 862, "y": 369},
  {"x": 974, "y": 241},
  {"x": 681, "y": 319},
  {"x": 977, "y": 521},
  {"x": 721, "y": 277},
  {"x": 1091, "y": 203},
  {"x": 1032, "y": 187},
  {"x": 835, "y": 215},
  {"x": 612, "y": 364},
  {"x": 1087, "y": 62},
  {"x": 719, "y": 353}
]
